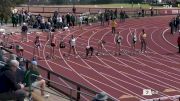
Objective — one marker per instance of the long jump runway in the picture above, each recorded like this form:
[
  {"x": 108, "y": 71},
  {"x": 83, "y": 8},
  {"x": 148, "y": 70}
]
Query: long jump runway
[{"x": 123, "y": 77}]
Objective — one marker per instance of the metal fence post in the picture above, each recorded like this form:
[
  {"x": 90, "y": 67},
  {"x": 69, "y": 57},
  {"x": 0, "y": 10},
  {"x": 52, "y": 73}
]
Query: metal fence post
[
  {"x": 30, "y": 87},
  {"x": 78, "y": 93},
  {"x": 49, "y": 78},
  {"x": 71, "y": 98},
  {"x": 27, "y": 64}
]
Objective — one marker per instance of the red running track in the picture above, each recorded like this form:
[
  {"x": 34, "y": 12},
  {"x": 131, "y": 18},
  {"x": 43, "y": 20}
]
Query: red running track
[{"x": 127, "y": 74}]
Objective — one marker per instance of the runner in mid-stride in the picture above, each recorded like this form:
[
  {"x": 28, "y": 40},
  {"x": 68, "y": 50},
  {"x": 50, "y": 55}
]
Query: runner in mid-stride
[{"x": 143, "y": 37}]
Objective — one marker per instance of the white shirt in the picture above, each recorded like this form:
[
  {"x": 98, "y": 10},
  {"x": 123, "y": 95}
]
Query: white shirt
[
  {"x": 59, "y": 19},
  {"x": 73, "y": 42},
  {"x": 43, "y": 20},
  {"x": 2, "y": 31},
  {"x": 80, "y": 19},
  {"x": 134, "y": 37}
]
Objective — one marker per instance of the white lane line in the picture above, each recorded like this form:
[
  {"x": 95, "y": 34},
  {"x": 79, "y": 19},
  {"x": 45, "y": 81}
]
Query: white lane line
[
  {"x": 159, "y": 72},
  {"x": 78, "y": 73},
  {"x": 163, "y": 35}
]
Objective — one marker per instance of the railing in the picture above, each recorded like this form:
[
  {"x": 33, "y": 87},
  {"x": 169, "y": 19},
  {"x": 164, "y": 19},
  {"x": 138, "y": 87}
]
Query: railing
[
  {"x": 71, "y": 89},
  {"x": 75, "y": 91},
  {"x": 49, "y": 10}
]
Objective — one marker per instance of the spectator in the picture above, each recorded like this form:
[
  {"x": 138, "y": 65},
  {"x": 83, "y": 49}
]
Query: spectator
[
  {"x": 2, "y": 58},
  {"x": 20, "y": 70},
  {"x": 102, "y": 96},
  {"x": 22, "y": 63},
  {"x": 121, "y": 16},
  {"x": 35, "y": 81},
  {"x": 171, "y": 25},
  {"x": 175, "y": 22},
  {"x": 14, "y": 20},
  {"x": 178, "y": 41},
  {"x": 80, "y": 21},
  {"x": 42, "y": 24},
  {"x": 68, "y": 19},
  {"x": 107, "y": 16},
  {"x": 102, "y": 19},
  {"x": 9, "y": 89},
  {"x": 11, "y": 57},
  {"x": 115, "y": 13},
  {"x": 59, "y": 22},
  {"x": 152, "y": 11},
  {"x": 74, "y": 9},
  {"x": 124, "y": 16},
  {"x": 143, "y": 12},
  {"x": 73, "y": 19},
  {"x": 20, "y": 18}
]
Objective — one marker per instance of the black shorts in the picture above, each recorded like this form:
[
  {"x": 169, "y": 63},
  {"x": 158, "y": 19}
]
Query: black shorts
[
  {"x": 134, "y": 42},
  {"x": 118, "y": 42},
  {"x": 72, "y": 46},
  {"x": 37, "y": 46},
  {"x": 53, "y": 44},
  {"x": 21, "y": 49}
]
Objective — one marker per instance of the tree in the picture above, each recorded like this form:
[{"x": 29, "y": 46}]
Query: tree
[{"x": 6, "y": 7}]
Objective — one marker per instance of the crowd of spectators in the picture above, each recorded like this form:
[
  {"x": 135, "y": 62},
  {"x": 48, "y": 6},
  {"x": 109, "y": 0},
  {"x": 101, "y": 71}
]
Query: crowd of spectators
[{"x": 16, "y": 78}]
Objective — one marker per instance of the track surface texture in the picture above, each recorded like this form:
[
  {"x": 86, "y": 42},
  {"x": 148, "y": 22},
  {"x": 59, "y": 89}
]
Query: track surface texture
[{"x": 124, "y": 76}]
